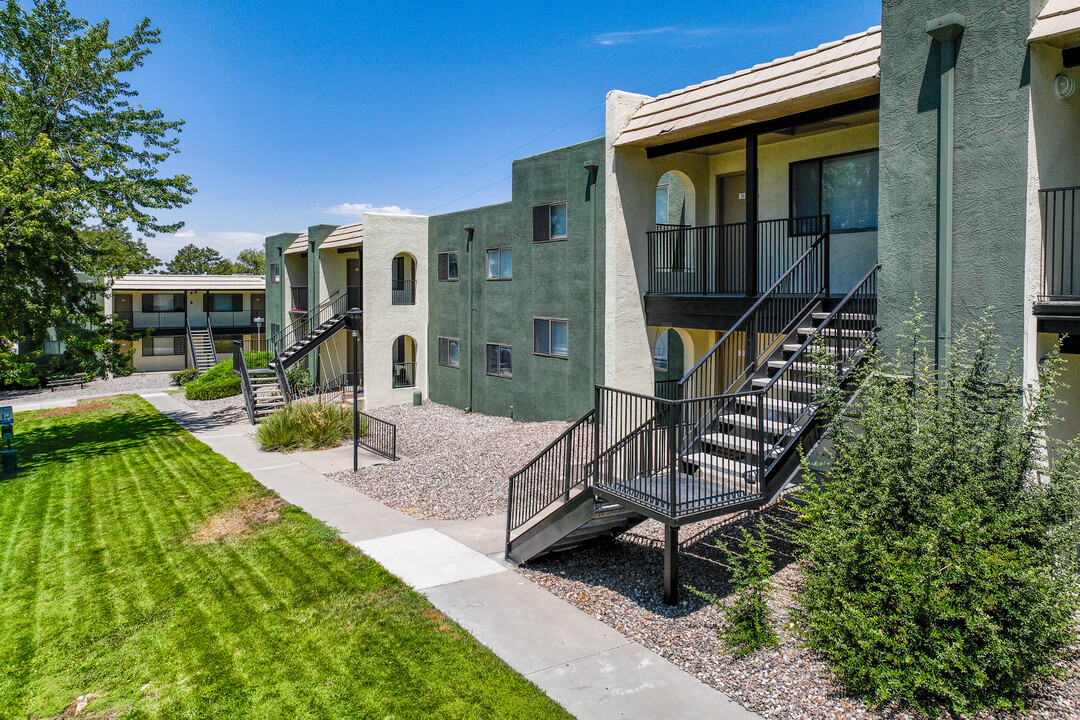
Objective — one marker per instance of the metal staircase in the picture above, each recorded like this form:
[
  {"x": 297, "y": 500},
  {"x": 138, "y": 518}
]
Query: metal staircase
[
  {"x": 728, "y": 440},
  {"x": 201, "y": 349}
]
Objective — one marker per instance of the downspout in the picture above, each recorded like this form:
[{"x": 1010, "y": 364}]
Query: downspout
[
  {"x": 472, "y": 311},
  {"x": 946, "y": 30},
  {"x": 590, "y": 196}
]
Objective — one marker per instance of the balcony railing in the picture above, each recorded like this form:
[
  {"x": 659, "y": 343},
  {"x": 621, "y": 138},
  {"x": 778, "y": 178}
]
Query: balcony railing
[
  {"x": 224, "y": 318},
  {"x": 716, "y": 259},
  {"x": 157, "y": 320},
  {"x": 404, "y": 374},
  {"x": 299, "y": 299},
  {"x": 1061, "y": 244},
  {"x": 403, "y": 292}
]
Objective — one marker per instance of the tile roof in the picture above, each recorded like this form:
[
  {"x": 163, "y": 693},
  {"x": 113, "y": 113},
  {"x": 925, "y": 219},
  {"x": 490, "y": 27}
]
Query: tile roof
[
  {"x": 1058, "y": 21},
  {"x": 190, "y": 282},
  {"x": 298, "y": 245},
  {"x": 344, "y": 236},
  {"x": 837, "y": 71}
]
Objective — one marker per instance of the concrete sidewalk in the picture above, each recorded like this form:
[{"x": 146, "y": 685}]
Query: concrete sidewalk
[{"x": 587, "y": 667}]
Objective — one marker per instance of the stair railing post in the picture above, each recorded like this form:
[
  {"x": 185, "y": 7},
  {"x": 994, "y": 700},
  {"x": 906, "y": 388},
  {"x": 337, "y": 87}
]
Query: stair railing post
[
  {"x": 673, "y": 451},
  {"x": 567, "y": 467},
  {"x": 751, "y": 345},
  {"x": 596, "y": 433},
  {"x": 826, "y": 236},
  {"x": 761, "y": 440}
]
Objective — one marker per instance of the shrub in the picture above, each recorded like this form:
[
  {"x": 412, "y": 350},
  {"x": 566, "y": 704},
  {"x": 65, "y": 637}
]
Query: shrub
[
  {"x": 748, "y": 616},
  {"x": 311, "y": 426},
  {"x": 217, "y": 382},
  {"x": 185, "y": 376},
  {"x": 299, "y": 379},
  {"x": 937, "y": 550}
]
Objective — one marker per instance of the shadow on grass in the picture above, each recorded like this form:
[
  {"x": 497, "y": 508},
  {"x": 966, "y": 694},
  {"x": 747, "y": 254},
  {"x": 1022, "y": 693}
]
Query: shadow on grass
[{"x": 632, "y": 565}]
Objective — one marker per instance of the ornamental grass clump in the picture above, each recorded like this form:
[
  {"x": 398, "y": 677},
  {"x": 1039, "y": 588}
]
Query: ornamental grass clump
[
  {"x": 748, "y": 620},
  {"x": 310, "y": 426},
  {"x": 938, "y": 552}
]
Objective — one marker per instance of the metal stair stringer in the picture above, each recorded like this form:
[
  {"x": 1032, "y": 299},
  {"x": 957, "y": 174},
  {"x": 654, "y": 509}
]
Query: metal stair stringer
[{"x": 583, "y": 518}]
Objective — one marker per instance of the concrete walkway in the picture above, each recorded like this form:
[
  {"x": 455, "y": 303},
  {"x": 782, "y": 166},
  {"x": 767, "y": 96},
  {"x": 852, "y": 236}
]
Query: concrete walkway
[{"x": 587, "y": 667}]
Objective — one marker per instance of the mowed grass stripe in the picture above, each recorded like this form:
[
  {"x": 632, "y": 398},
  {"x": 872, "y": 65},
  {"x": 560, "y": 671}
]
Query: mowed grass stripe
[{"x": 103, "y": 590}]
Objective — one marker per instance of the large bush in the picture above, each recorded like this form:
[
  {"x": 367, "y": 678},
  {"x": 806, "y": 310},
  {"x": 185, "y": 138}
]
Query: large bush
[
  {"x": 938, "y": 551},
  {"x": 311, "y": 426},
  {"x": 217, "y": 382}
]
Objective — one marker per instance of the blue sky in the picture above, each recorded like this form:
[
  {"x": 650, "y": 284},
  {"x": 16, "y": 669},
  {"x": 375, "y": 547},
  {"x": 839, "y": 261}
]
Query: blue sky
[{"x": 302, "y": 113}]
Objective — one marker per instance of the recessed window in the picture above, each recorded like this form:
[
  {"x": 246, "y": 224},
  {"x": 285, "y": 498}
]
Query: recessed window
[
  {"x": 499, "y": 359},
  {"x": 499, "y": 264},
  {"x": 661, "y": 204},
  {"x": 275, "y": 273},
  {"x": 549, "y": 337},
  {"x": 448, "y": 266},
  {"x": 163, "y": 302},
  {"x": 449, "y": 352},
  {"x": 549, "y": 222},
  {"x": 660, "y": 353},
  {"x": 154, "y": 346},
  {"x": 844, "y": 187}
]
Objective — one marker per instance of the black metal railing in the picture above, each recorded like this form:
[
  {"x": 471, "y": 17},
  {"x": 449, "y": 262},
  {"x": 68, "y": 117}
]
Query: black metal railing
[
  {"x": 1061, "y": 243},
  {"x": 404, "y": 374},
  {"x": 379, "y": 436},
  {"x": 224, "y": 318},
  {"x": 403, "y": 292},
  {"x": 299, "y": 297},
  {"x": 300, "y": 328},
  {"x": 740, "y": 350},
  {"x": 240, "y": 367},
  {"x": 716, "y": 259},
  {"x": 666, "y": 389},
  {"x": 562, "y": 467}
]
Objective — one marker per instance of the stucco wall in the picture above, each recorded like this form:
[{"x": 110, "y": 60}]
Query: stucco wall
[
  {"x": 276, "y": 293},
  {"x": 384, "y": 237},
  {"x": 550, "y": 280},
  {"x": 991, "y": 169}
]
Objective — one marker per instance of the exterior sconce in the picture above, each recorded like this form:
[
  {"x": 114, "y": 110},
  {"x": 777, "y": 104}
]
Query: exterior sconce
[{"x": 1064, "y": 86}]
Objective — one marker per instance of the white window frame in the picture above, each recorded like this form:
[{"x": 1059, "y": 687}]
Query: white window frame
[
  {"x": 549, "y": 321},
  {"x": 448, "y": 341},
  {"x": 501, "y": 347},
  {"x": 500, "y": 251},
  {"x": 551, "y": 235}
]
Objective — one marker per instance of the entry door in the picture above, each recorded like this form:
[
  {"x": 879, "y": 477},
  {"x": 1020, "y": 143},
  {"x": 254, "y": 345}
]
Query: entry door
[{"x": 732, "y": 193}]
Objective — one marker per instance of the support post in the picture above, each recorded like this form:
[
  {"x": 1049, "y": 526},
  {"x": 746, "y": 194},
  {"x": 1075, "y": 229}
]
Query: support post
[
  {"x": 671, "y": 565},
  {"x": 355, "y": 409},
  {"x": 751, "y": 215}
]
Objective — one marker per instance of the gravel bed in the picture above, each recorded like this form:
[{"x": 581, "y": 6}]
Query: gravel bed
[
  {"x": 620, "y": 583},
  {"x": 225, "y": 410},
  {"x": 135, "y": 382},
  {"x": 454, "y": 466}
]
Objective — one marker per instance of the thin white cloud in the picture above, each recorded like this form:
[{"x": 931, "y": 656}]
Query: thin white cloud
[
  {"x": 676, "y": 35},
  {"x": 184, "y": 234},
  {"x": 358, "y": 209},
  {"x": 227, "y": 242}
]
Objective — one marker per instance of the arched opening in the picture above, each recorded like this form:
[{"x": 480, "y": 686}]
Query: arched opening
[
  {"x": 669, "y": 358},
  {"x": 404, "y": 362},
  {"x": 403, "y": 279},
  {"x": 674, "y": 200}
]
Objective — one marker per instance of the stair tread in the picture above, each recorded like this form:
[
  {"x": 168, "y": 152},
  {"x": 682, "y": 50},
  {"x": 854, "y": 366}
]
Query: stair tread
[
  {"x": 846, "y": 316},
  {"x": 831, "y": 332},
  {"x": 750, "y": 422},
  {"x": 795, "y": 347},
  {"x": 773, "y": 404},
  {"x": 801, "y": 366},
  {"x": 715, "y": 463},
  {"x": 734, "y": 442},
  {"x": 792, "y": 385}
]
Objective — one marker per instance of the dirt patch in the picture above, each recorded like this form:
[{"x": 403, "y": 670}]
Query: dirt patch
[
  {"x": 80, "y": 408},
  {"x": 239, "y": 520},
  {"x": 78, "y": 706}
]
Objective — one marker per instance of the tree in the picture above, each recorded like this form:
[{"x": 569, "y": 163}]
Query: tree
[
  {"x": 74, "y": 148},
  {"x": 191, "y": 260},
  {"x": 939, "y": 551},
  {"x": 115, "y": 252},
  {"x": 251, "y": 260}
]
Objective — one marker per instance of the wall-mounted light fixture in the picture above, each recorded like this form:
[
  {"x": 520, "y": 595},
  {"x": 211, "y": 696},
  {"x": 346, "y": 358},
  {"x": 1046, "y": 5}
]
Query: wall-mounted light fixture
[{"x": 1064, "y": 86}]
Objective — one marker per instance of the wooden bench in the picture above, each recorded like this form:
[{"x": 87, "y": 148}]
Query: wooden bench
[{"x": 66, "y": 381}]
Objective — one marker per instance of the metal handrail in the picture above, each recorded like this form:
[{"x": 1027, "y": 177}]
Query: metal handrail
[
  {"x": 190, "y": 345},
  {"x": 210, "y": 337},
  {"x": 292, "y": 333},
  {"x": 240, "y": 368}
]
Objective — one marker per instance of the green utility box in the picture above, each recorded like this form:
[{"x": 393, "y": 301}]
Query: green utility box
[
  {"x": 418, "y": 398},
  {"x": 11, "y": 461}
]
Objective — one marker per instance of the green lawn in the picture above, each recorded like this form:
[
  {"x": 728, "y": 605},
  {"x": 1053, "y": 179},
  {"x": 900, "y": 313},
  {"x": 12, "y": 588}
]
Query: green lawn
[{"x": 103, "y": 589}]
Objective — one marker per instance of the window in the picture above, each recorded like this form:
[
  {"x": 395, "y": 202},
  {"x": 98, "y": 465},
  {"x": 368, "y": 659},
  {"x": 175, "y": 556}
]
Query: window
[
  {"x": 218, "y": 302},
  {"x": 844, "y": 187},
  {"x": 153, "y": 346},
  {"x": 448, "y": 266},
  {"x": 275, "y": 272},
  {"x": 499, "y": 360},
  {"x": 223, "y": 344},
  {"x": 53, "y": 344},
  {"x": 661, "y": 204},
  {"x": 499, "y": 264},
  {"x": 660, "y": 353},
  {"x": 157, "y": 302},
  {"x": 448, "y": 352},
  {"x": 549, "y": 337},
  {"x": 549, "y": 222}
]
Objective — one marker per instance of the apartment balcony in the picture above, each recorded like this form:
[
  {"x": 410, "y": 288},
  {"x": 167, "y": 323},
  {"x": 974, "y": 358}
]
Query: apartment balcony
[
  {"x": 404, "y": 374},
  {"x": 224, "y": 319},
  {"x": 699, "y": 276},
  {"x": 403, "y": 292},
  {"x": 163, "y": 320},
  {"x": 1058, "y": 304}
]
